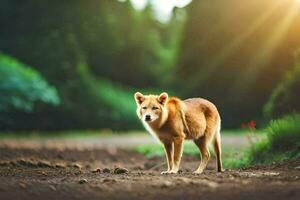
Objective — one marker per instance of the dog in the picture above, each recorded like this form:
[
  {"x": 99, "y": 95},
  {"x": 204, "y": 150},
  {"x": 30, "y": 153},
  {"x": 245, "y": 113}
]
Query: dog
[{"x": 172, "y": 121}]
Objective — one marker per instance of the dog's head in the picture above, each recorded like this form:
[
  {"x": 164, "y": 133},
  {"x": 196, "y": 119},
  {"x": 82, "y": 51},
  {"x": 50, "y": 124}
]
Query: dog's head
[{"x": 150, "y": 107}]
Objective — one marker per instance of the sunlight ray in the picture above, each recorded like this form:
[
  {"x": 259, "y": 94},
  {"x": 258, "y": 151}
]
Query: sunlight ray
[
  {"x": 236, "y": 43},
  {"x": 268, "y": 49}
]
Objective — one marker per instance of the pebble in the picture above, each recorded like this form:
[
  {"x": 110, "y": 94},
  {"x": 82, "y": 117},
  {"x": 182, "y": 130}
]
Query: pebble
[
  {"x": 76, "y": 165},
  {"x": 60, "y": 165},
  {"x": 83, "y": 181},
  {"x": 97, "y": 170},
  {"x": 120, "y": 170},
  {"x": 44, "y": 163},
  {"x": 106, "y": 170}
]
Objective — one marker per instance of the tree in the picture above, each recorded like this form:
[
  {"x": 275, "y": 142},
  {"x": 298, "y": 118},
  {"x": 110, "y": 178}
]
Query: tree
[
  {"x": 89, "y": 50},
  {"x": 21, "y": 87},
  {"x": 235, "y": 53},
  {"x": 285, "y": 97}
]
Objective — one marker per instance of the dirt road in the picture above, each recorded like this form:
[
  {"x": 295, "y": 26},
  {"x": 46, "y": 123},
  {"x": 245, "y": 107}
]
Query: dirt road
[
  {"x": 96, "y": 142},
  {"x": 41, "y": 172}
]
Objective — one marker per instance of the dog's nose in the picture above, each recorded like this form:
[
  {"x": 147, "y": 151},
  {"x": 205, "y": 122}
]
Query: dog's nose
[{"x": 147, "y": 117}]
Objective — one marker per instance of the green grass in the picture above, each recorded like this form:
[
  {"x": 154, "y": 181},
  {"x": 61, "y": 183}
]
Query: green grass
[
  {"x": 151, "y": 150},
  {"x": 278, "y": 142},
  {"x": 190, "y": 148},
  {"x": 230, "y": 154},
  {"x": 282, "y": 142}
]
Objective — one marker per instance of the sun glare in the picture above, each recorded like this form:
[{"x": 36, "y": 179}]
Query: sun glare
[
  {"x": 162, "y": 9},
  {"x": 297, "y": 2}
]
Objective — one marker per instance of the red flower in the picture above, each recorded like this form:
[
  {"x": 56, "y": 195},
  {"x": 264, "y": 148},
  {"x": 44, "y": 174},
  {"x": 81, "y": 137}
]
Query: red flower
[{"x": 252, "y": 124}]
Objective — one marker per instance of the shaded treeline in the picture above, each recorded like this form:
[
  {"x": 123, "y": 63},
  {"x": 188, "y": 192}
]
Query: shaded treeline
[
  {"x": 97, "y": 53},
  {"x": 235, "y": 52},
  {"x": 89, "y": 50}
]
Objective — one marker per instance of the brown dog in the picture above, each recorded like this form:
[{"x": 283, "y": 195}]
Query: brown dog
[{"x": 173, "y": 120}]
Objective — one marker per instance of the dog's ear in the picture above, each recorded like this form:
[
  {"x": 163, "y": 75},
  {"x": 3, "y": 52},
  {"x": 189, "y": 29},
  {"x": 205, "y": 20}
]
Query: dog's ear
[
  {"x": 139, "y": 98},
  {"x": 163, "y": 98}
]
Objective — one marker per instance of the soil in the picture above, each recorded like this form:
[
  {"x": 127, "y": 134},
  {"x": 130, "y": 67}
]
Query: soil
[{"x": 117, "y": 173}]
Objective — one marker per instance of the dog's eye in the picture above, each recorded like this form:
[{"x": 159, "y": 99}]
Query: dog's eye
[
  {"x": 144, "y": 108},
  {"x": 154, "y": 108}
]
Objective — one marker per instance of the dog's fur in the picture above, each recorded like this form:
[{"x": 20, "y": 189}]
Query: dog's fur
[{"x": 173, "y": 120}]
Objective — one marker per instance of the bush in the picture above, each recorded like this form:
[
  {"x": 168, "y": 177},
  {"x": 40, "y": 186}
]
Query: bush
[
  {"x": 21, "y": 87},
  {"x": 284, "y": 98},
  {"x": 282, "y": 143}
]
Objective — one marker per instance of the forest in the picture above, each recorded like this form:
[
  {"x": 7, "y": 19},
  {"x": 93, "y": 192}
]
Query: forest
[
  {"x": 77, "y": 65},
  {"x": 70, "y": 71}
]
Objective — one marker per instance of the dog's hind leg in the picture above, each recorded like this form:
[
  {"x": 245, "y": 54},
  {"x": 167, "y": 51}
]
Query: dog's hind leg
[{"x": 202, "y": 144}]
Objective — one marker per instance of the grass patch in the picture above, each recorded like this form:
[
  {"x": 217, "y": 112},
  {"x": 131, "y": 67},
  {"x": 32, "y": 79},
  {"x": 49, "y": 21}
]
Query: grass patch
[
  {"x": 282, "y": 142},
  {"x": 190, "y": 148},
  {"x": 231, "y": 155},
  {"x": 151, "y": 150}
]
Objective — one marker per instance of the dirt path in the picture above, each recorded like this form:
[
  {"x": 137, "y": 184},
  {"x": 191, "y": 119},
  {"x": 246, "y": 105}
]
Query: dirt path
[
  {"x": 69, "y": 173},
  {"x": 96, "y": 142}
]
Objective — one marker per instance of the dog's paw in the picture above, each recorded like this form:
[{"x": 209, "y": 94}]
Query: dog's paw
[
  {"x": 165, "y": 172},
  {"x": 221, "y": 170},
  {"x": 198, "y": 172},
  {"x": 173, "y": 172}
]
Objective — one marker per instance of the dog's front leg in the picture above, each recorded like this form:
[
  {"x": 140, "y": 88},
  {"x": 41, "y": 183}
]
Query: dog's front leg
[
  {"x": 168, "y": 146},
  {"x": 178, "y": 149}
]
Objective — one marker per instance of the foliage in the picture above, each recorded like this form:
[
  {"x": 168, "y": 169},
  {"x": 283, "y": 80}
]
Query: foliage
[
  {"x": 96, "y": 53},
  {"x": 231, "y": 54},
  {"x": 284, "y": 98},
  {"x": 110, "y": 101},
  {"x": 21, "y": 87},
  {"x": 283, "y": 140},
  {"x": 282, "y": 143}
]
